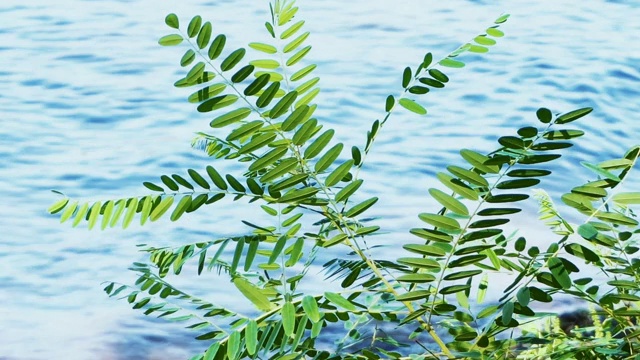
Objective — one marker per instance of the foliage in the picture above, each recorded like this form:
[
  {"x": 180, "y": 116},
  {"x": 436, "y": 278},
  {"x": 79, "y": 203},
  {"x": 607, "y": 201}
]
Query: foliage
[{"x": 263, "y": 118}]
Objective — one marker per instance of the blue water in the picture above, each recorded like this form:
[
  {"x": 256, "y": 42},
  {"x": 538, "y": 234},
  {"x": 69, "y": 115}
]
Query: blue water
[{"x": 87, "y": 107}]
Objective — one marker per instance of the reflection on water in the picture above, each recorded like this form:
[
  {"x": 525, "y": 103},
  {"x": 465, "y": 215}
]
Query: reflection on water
[{"x": 88, "y": 107}]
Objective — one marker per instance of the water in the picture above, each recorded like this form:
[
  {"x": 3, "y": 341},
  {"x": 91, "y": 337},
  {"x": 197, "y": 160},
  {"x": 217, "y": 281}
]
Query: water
[{"x": 88, "y": 108}]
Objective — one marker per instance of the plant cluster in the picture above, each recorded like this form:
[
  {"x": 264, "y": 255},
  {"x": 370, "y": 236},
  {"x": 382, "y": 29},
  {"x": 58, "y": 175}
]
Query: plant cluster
[{"x": 263, "y": 118}]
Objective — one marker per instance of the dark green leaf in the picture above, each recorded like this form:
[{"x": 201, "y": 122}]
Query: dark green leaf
[
  {"x": 216, "y": 178},
  {"x": 498, "y": 211},
  {"x": 431, "y": 82},
  {"x": 390, "y": 102},
  {"x": 328, "y": 158},
  {"x": 406, "y": 77},
  {"x": 233, "y": 59},
  {"x": 573, "y": 115},
  {"x": 544, "y": 115},
  {"x": 438, "y": 75},
  {"x": 421, "y": 263},
  {"x": 466, "y": 260},
  {"x": 361, "y": 207},
  {"x": 517, "y": 184},
  {"x": 528, "y": 173},
  {"x": 242, "y": 74},
  {"x": 462, "y": 274},
  {"x": 257, "y": 85},
  {"x": 217, "y": 102},
  {"x": 503, "y": 198},
  {"x": 268, "y": 95}
]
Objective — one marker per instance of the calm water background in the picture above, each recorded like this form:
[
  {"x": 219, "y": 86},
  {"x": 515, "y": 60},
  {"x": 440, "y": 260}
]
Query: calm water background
[{"x": 87, "y": 107}]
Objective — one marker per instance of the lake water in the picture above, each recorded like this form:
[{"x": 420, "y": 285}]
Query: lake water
[{"x": 87, "y": 107}]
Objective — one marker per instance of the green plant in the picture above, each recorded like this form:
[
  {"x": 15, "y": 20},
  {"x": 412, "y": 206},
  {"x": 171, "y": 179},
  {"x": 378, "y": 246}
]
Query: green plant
[{"x": 264, "y": 120}]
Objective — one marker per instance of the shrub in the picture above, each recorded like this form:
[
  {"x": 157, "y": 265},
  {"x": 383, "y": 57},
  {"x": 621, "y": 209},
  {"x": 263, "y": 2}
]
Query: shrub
[{"x": 263, "y": 119}]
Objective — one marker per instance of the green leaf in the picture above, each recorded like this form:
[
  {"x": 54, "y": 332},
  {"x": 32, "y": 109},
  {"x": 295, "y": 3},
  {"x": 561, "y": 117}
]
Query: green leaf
[
  {"x": 562, "y": 134},
  {"x": 414, "y": 295},
  {"x": 106, "y": 216},
  {"x": 206, "y": 93},
  {"x": 253, "y": 294},
  {"x": 484, "y": 40},
  {"x": 462, "y": 274},
  {"x": 282, "y": 106},
  {"x": 288, "y": 318},
  {"x": 310, "y": 307},
  {"x": 269, "y": 93},
  {"x": 468, "y": 176},
  {"x": 265, "y": 64},
  {"x": 295, "y": 42},
  {"x": 600, "y": 171},
  {"x": 230, "y": 117},
  {"x": 265, "y": 48},
  {"x": 295, "y": 58},
  {"x": 58, "y": 206},
  {"x": 296, "y": 195},
  {"x": 457, "y": 186},
  {"x": 339, "y": 173},
  {"x": 590, "y": 191},
  {"x": 187, "y": 58},
  {"x": 547, "y": 146},
  {"x": 285, "y": 166},
  {"x": 217, "y": 102},
  {"x": 449, "y": 202},
  {"x": 180, "y": 209},
  {"x": 428, "y": 250},
  {"x": 302, "y": 72},
  {"x": 93, "y": 214},
  {"x": 233, "y": 59},
  {"x": 361, "y": 207},
  {"x": 626, "y": 198},
  {"x": 477, "y": 160},
  {"x": 204, "y": 35},
  {"x": 448, "y": 62},
  {"x": 194, "y": 26},
  {"x": 494, "y": 32},
  {"x": 217, "y": 46},
  {"x": 172, "y": 21},
  {"x": 512, "y": 142},
  {"x": 328, "y": 158},
  {"x": 318, "y": 144},
  {"x": 412, "y": 106},
  {"x": 421, "y": 263},
  {"x": 432, "y": 235},
  {"x": 257, "y": 142},
  {"x": 170, "y": 40},
  {"x": 164, "y": 205},
  {"x": 466, "y": 260},
  {"x": 507, "y": 312},
  {"x": 440, "y": 221},
  {"x": 428, "y": 58},
  {"x": 559, "y": 272},
  {"x": 251, "y": 336},
  {"x": 233, "y": 346},
  {"x": 66, "y": 214},
  {"x": 501, "y": 20},
  {"x": 616, "y": 218},
  {"x": 216, "y": 178},
  {"x": 416, "y": 278},
  {"x": 291, "y": 30},
  {"x": 337, "y": 299},
  {"x": 573, "y": 115},
  {"x": 348, "y": 190},
  {"x": 182, "y": 181},
  {"x": 128, "y": 217}
]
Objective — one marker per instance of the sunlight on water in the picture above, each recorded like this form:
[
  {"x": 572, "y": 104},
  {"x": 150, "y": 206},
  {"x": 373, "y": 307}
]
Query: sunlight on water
[{"x": 88, "y": 107}]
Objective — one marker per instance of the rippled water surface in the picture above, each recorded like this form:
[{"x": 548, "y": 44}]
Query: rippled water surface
[{"x": 87, "y": 107}]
